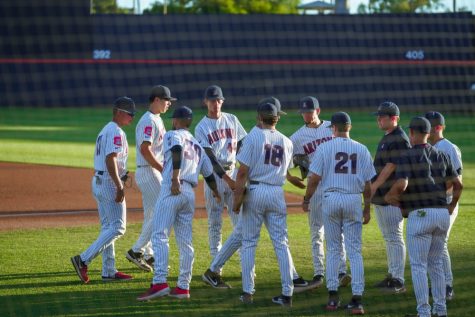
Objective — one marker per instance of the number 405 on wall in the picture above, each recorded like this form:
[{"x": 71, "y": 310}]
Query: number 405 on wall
[{"x": 415, "y": 55}]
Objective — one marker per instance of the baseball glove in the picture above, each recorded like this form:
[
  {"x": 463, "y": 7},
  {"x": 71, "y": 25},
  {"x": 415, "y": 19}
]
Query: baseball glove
[{"x": 302, "y": 161}]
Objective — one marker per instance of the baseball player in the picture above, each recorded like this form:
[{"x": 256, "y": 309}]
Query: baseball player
[
  {"x": 423, "y": 176},
  {"x": 390, "y": 221},
  {"x": 436, "y": 138},
  {"x": 110, "y": 163},
  {"x": 343, "y": 169},
  {"x": 306, "y": 141},
  {"x": 184, "y": 160},
  {"x": 264, "y": 158},
  {"x": 233, "y": 243},
  {"x": 149, "y": 134},
  {"x": 220, "y": 134}
]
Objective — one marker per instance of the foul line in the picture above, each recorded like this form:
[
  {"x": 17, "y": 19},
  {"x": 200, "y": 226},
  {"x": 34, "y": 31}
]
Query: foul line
[{"x": 232, "y": 61}]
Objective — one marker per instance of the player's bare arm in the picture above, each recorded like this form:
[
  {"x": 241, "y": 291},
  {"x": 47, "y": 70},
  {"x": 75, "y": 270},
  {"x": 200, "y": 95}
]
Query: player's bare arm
[
  {"x": 239, "y": 192},
  {"x": 294, "y": 180},
  {"x": 146, "y": 151},
  {"x": 312, "y": 183},
  {"x": 111, "y": 163},
  {"x": 388, "y": 169},
  {"x": 176, "y": 162},
  {"x": 218, "y": 169},
  {"x": 393, "y": 197},
  {"x": 457, "y": 187},
  {"x": 367, "y": 203}
]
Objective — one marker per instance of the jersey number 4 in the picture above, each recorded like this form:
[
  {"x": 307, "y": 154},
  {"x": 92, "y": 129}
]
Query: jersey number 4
[
  {"x": 273, "y": 154},
  {"x": 342, "y": 160}
]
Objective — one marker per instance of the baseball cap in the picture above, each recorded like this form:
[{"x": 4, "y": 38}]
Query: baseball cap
[
  {"x": 420, "y": 124},
  {"x": 182, "y": 112},
  {"x": 267, "y": 109},
  {"x": 435, "y": 118},
  {"x": 125, "y": 104},
  {"x": 308, "y": 104},
  {"x": 214, "y": 92},
  {"x": 161, "y": 92},
  {"x": 275, "y": 102},
  {"x": 387, "y": 108},
  {"x": 340, "y": 118}
]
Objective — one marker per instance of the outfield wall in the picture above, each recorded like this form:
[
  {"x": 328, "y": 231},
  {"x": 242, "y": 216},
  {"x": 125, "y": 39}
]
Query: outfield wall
[{"x": 62, "y": 56}]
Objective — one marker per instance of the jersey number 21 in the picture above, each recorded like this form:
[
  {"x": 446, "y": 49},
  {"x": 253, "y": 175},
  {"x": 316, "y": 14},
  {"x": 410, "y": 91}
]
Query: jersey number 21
[{"x": 342, "y": 160}]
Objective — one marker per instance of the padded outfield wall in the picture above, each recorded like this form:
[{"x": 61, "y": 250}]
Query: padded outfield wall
[{"x": 56, "y": 54}]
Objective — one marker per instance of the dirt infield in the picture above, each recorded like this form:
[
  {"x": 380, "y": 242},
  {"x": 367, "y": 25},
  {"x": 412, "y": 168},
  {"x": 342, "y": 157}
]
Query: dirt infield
[{"x": 40, "y": 196}]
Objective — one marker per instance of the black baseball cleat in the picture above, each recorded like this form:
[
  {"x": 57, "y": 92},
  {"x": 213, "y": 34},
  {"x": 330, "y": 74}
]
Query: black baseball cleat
[
  {"x": 385, "y": 282},
  {"x": 246, "y": 298},
  {"x": 355, "y": 307},
  {"x": 283, "y": 300},
  {"x": 317, "y": 281},
  {"x": 449, "y": 293},
  {"x": 215, "y": 280},
  {"x": 137, "y": 259},
  {"x": 333, "y": 301},
  {"x": 394, "y": 286},
  {"x": 301, "y": 285},
  {"x": 344, "y": 279}
]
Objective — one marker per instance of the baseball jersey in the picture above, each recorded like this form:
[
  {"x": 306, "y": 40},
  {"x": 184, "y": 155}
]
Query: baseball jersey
[
  {"x": 268, "y": 154},
  {"x": 111, "y": 139},
  {"x": 306, "y": 140},
  {"x": 221, "y": 135},
  {"x": 150, "y": 128},
  {"x": 389, "y": 150},
  {"x": 193, "y": 161},
  {"x": 453, "y": 152},
  {"x": 344, "y": 165},
  {"x": 427, "y": 170}
]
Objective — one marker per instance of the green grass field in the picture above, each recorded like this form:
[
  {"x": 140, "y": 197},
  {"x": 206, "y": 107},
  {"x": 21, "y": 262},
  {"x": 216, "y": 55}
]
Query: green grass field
[{"x": 37, "y": 278}]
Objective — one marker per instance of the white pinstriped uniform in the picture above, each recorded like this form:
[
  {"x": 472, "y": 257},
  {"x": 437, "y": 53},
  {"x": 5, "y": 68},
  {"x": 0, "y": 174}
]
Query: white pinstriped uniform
[
  {"x": 112, "y": 215},
  {"x": 455, "y": 156},
  {"x": 344, "y": 165},
  {"x": 306, "y": 141},
  {"x": 177, "y": 210},
  {"x": 221, "y": 135},
  {"x": 150, "y": 128},
  {"x": 268, "y": 154}
]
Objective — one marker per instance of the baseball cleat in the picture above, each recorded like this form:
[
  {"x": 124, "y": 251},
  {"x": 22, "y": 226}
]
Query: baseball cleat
[
  {"x": 215, "y": 280},
  {"x": 385, "y": 282},
  {"x": 179, "y": 293},
  {"x": 155, "y": 291},
  {"x": 449, "y": 293},
  {"x": 301, "y": 285},
  {"x": 394, "y": 286},
  {"x": 355, "y": 307},
  {"x": 137, "y": 259},
  {"x": 246, "y": 298},
  {"x": 81, "y": 268},
  {"x": 344, "y": 279},
  {"x": 333, "y": 301},
  {"x": 283, "y": 300},
  {"x": 119, "y": 276},
  {"x": 317, "y": 281}
]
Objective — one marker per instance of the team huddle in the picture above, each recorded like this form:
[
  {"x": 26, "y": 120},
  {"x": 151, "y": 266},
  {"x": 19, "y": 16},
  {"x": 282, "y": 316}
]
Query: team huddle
[{"x": 416, "y": 177}]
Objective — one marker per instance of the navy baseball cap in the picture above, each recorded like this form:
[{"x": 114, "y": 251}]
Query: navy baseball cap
[
  {"x": 182, "y": 112},
  {"x": 308, "y": 104},
  {"x": 275, "y": 102},
  {"x": 420, "y": 124},
  {"x": 125, "y": 104},
  {"x": 435, "y": 118},
  {"x": 161, "y": 92},
  {"x": 267, "y": 109},
  {"x": 387, "y": 108},
  {"x": 340, "y": 118},
  {"x": 214, "y": 92}
]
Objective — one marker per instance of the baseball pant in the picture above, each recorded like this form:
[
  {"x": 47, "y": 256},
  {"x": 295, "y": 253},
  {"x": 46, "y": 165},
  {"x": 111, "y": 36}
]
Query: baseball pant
[
  {"x": 149, "y": 182},
  {"x": 342, "y": 214},
  {"x": 215, "y": 211},
  {"x": 113, "y": 222},
  {"x": 449, "y": 278},
  {"x": 174, "y": 211},
  {"x": 315, "y": 221},
  {"x": 426, "y": 232},
  {"x": 265, "y": 204},
  {"x": 391, "y": 224}
]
